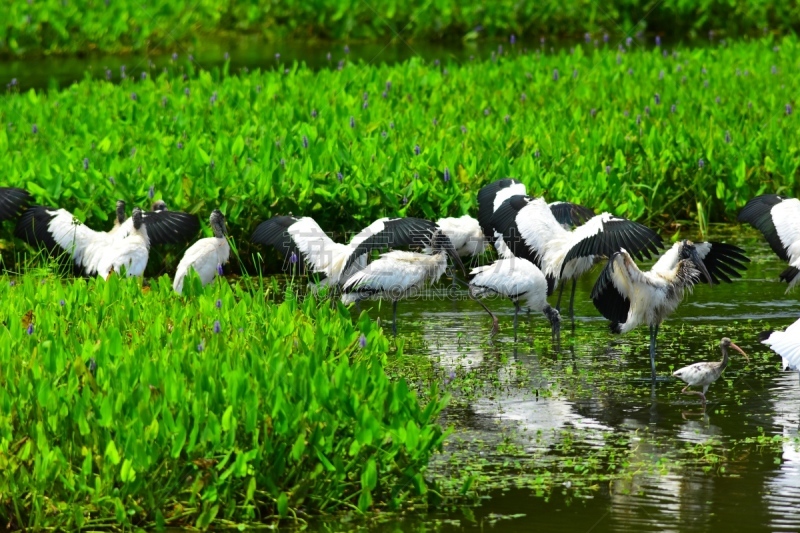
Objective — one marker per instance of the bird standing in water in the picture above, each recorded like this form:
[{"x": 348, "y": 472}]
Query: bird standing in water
[{"x": 704, "y": 374}]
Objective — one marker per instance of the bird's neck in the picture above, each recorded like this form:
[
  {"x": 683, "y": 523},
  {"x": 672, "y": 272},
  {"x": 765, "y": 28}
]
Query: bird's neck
[{"x": 724, "y": 358}]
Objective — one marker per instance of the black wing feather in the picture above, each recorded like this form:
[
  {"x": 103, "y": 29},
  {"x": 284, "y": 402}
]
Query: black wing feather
[
  {"x": 170, "y": 227},
  {"x": 275, "y": 232},
  {"x": 33, "y": 227},
  {"x": 12, "y": 202},
  {"x": 570, "y": 214},
  {"x": 486, "y": 197},
  {"x": 607, "y": 299},
  {"x": 724, "y": 261},
  {"x": 758, "y": 213},
  {"x": 408, "y": 231},
  {"x": 789, "y": 274},
  {"x": 638, "y": 241}
]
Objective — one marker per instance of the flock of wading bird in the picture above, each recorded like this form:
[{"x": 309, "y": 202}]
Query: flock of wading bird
[{"x": 540, "y": 246}]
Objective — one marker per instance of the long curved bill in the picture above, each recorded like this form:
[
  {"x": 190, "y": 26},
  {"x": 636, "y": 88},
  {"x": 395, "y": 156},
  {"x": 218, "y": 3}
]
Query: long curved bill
[
  {"x": 701, "y": 267},
  {"x": 740, "y": 351}
]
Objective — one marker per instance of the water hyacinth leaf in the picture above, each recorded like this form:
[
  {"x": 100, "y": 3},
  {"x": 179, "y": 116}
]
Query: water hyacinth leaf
[
  {"x": 369, "y": 478},
  {"x": 283, "y": 505},
  {"x": 111, "y": 453}
]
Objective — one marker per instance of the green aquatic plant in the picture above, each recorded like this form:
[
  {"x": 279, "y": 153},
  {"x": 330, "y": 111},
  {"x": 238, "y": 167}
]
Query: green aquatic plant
[{"x": 126, "y": 406}]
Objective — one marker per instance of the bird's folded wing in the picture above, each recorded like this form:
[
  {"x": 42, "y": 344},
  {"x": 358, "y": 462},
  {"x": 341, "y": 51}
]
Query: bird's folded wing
[
  {"x": 723, "y": 261},
  {"x": 491, "y": 196},
  {"x": 390, "y": 233},
  {"x": 611, "y": 291}
]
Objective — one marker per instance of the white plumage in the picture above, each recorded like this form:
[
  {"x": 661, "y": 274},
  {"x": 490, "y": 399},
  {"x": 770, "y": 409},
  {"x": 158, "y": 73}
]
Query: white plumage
[
  {"x": 519, "y": 280},
  {"x": 465, "y": 234},
  {"x": 206, "y": 256},
  {"x": 86, "y": 246},
  {"x": 785, "y": 343},
  {"x": 130, "y": 252}
]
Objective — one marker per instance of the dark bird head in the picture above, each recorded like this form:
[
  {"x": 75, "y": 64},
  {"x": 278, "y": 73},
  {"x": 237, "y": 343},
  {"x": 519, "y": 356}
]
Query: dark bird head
[
  {"x": 554, "y": 317},
  {"x": 726, "y": 343},
  {"x": 689, "y": 251},
  {"x": 159, "y": 205},
  {"x": 440, "y": 242},
  {"x": 217, "y": 222},
  {"x": 120, "y": 211},
  {"x": 138, "y": 219}
]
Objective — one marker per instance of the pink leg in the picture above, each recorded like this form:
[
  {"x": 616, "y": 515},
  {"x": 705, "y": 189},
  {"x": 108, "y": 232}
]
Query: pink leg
[{"x": 698, "y": 393}]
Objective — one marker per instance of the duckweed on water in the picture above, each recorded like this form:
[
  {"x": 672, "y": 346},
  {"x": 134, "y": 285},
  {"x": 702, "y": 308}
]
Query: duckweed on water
[{"x": 123, "y": 409}]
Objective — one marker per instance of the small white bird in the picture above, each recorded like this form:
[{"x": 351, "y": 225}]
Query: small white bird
[
  {"x": 12, "y": 202},
  {"x": 704, "y": 374},
  {"x": 629, "y": 297},
  {"x": 398, "y": 274},
  {"x": 129, "y": 253},
  {"x": 785, "y": 343},
  {"x": 778, "y": 218},
  {"x": 517, "y": 279},
  {"x": 465, "y": 234},
  {"x": 531, "y": 231},
  {"x": 206, "y": 256}
]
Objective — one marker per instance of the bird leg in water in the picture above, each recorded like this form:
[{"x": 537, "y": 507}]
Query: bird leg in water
[
  {"x": 394, "y": 318},
  {"x": 516, "y": 316},
  {"x": 495, "y": 324},
  {"x": 572, "y": 302},
  {"x": 653, "y": 333},
  {"x": 560, "y": 292},
  {"x": 696, "y": 392}
]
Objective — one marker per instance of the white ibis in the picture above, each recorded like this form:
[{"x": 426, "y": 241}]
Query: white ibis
[
  {"x": 305, "y": 239},
  {"x": 129, "y": 253},
  {"x": 778, "y": 218},
  {"x": 399, "y": 274},
  {"x": 785, "y": 343},
  {"x": 492, "y": 196},
  {"x": 531, "y": 231},
  {"x": 629, "y": 297},
  {"x": 704, "y": 374},
  {"x": 206, "y": 256},
  {"x": 59, "y": 230},
  {"x": 517, "y": 279},
  {"x": 12, "y": 202}
]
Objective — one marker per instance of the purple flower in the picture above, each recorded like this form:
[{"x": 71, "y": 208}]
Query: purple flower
[
  {"x": 151, "y": 192},
  {"x": 220, "y": 271},
  {"x": 788, "y": 108},
  {"x": 587, "y": 37},
  {"x": 365, "y": 105},
  {"x": 12, "y": 283},
  {"x": 277, "y": 56},
  {"x": 619, "y": 59},
  {"x": 626, "y": 113},
  {"x": 108, "y": 74},
  {"x": 211, "y": 164},
  {"x": 536, "y": 154},
  {"x": 366, "y": 95},
  {"x": 201, "y": 346},
  {"x": 593, "y": 112},
  {"x": 293, "y": 258},
  {"x": 34, "y": 129},
  {"x": 85, "y": 163},
  {"x": 523, "y": 97},
  {"x": 664, "y": 52},
  {"x": 417, "y": 149},
  {"x": 191, "y": 57},
  {"x": 705, "y": 83},
  {"x": 446, "y": 174},
  {"x": 661, "y": 75},
  {"x": 701, "y": 163},
  {"x": 340, "y": 64},
  {"x": 384, "y": 134},
  {"x": 122, "y": 72},
  {"x": 346, "y": 49},
  {"x": 213, "y": 98},
  {"x": 647, "y": 110},
  {"x": 352, "y": 122},
  {"x": 313, "y": 113},
  {"x": 717, "y": 99},
  {"x": 30, "y": 329},
  {"x": 512, "y": 39},
  {"x": 638, "y": 119},
  {"x": 405, "y": 200},
  {"x": 555, "y": 74},
  {"x": 217, "y": 327},
  {"x": 339, "y": 176},
  {"x": 628, "y": 42},
  {"x": 506, "y": 119},
  {"x": 435, "y": 62},
  {"x": 384, "y": 94},
  {"x": 282, "y": 162},
  {"x": 608, "y": 169},
  {"x": 574, "y": 73},
  {"x": 727, "y": 136},
  {"x": 112, "y": 180},
  {"x": 391, "y": 125},
  {"x": 605, "y": 37},
  {"x": 328, "y": 56},
  {"x": 305, "y": 141},
  {"x": 144, "y": 75},
  {"x": 133, "y": 96},
  {"x": 362, "y": 341},
  {"x": 226, "y": 56},
  {"x": 186, "y": 91},
  {"x": 630, "y": 72},
  {"x": 435, "y": 122},
  {"x": 180, "y": 145},
  {"x": 658, "y": 40},
  {"x": 174, "y": 56},
  {"x": 673, "y": 108},
  {"x": 541, "y": 41},
  {"x": 657, "y": 98},
  {"x": 62, "y": 303},
  {"x": 774, "y": 69},
  {"x": 218, "y": 304},
  {"x": 258, "y": 88},
  {"x": 486, "y": 112},
  {"x": 164, "y": 102},
  {"x": 388, "y": 85}
]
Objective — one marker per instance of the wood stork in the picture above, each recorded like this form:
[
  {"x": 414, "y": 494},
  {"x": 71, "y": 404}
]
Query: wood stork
[
  {"x": 465, "y": 234},
  {"x": 629, "y": 297},
  {"x": 58, "y": 230},
  {"x": 337, "y": 262},
  {"x": 517, "y": 279},
  {"x": 12, "y": 202},
  {"x": 399, "y": 274},
  {"x": 531, "y": 231},
  {"x": 129, "y": 253},
  {"x": 778, "y": 218},
  {"x": 206, "y": 256},
  {"x": 492, "y": 196},
  {"x": 704, "y": 374},
  {"x": 785, "y": 343}
]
